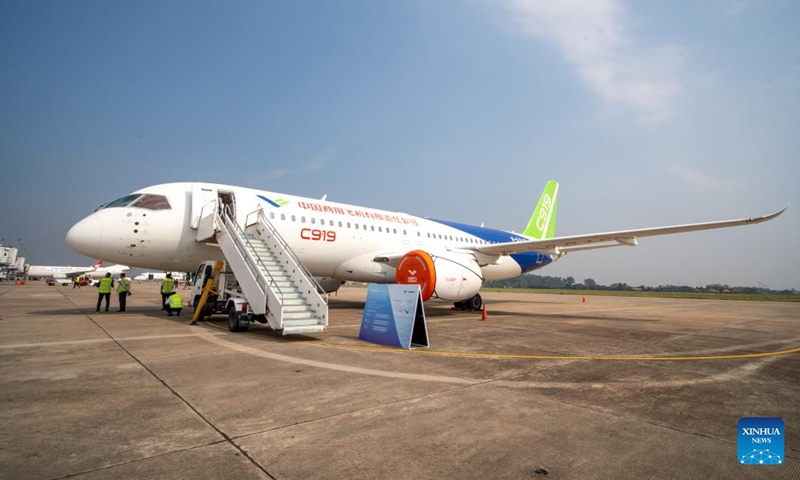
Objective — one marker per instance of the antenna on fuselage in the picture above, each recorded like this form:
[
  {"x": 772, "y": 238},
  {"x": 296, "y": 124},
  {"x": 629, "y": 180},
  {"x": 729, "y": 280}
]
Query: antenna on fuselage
[{"x": 324, "y": 197}]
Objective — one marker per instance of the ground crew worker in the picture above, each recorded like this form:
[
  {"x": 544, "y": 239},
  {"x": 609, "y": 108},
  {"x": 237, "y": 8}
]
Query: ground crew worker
[
  {"x": 123, "y": 289},
  {"x": 77, "y": 282},
  {"x": 174, "y": 303},
  {"x": 166, "y": 290},
  {"x": 104, "y": 290}
]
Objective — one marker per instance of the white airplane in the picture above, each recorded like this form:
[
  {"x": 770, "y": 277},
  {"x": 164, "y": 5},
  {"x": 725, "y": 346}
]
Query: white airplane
[
  {"x": 57, "y": 272},
  {"x": 114, "y": 270},
  {"x": 156, "y": 227}
]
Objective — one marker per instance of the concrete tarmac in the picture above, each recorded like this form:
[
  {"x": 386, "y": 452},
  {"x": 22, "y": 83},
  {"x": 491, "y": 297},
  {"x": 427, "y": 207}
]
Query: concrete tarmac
[{"x": 142, "y": 395}]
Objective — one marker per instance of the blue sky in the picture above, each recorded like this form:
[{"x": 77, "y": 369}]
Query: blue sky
[{"x": 648, "y": 113}]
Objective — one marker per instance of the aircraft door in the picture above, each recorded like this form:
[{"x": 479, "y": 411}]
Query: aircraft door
[
  {"x": 204, "y": 202},
  {"x": 228, "y": 203}
]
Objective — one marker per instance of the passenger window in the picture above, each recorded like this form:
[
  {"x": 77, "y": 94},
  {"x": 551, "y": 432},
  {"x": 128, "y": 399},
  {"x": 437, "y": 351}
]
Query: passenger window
[
  {"x": 312, "y": 220},
  {"x": 283, "y": 216}
]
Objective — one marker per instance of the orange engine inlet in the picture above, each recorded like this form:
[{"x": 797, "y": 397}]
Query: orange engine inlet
[{"x": 416, "y": 267}]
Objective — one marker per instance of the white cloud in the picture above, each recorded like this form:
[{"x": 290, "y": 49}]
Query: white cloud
[
  {"x": 313, "y": 165},
  {"x": 591, "y": 35},
  {"x": 736, "y": 7}
]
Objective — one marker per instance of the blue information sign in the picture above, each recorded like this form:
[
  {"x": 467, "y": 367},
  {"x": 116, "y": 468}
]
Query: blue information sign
[{"x": 393, "y": 315}]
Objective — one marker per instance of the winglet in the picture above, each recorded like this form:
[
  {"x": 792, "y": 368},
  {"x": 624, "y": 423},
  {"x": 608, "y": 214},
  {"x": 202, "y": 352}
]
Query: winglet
[{"x": 543, "y": 221}]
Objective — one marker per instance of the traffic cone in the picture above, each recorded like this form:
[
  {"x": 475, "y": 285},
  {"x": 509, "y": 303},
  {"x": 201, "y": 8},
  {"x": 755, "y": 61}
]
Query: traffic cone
[
  {"x": 484, "y": 317},
  {"x": 584, "y": 299}
]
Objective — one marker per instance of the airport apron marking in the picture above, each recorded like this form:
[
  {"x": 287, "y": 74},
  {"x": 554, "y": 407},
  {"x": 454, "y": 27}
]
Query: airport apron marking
[{"x": 617, "y": 358}]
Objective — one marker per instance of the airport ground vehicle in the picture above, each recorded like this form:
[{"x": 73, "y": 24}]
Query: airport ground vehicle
[
  {"x": 224, "y": 296},
  {"x": 82, "y": 281}
]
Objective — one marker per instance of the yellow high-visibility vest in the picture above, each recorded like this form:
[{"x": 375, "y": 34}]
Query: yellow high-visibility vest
[
  {"x": 124, "y": 285},
  {"x": 175, "y": 301},
  {"x": 166, "y": 287},
  {"x": 105, "y": 285}
]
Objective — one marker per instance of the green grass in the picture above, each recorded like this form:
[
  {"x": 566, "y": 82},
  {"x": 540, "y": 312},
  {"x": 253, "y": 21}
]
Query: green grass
[{"x": 766, "y": 297}]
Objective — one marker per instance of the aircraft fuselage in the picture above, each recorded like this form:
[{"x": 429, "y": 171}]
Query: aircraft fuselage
[{"x": 331, "y": 239}]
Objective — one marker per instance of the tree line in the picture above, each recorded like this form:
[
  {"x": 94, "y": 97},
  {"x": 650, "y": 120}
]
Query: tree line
[{"x": 549, "y": 282}]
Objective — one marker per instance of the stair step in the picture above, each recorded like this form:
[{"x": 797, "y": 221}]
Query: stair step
[
  {"x": 278, "y": 278},
  {"x": 302, "y": 315},
  {"x": 293, "y": 302},
  {"x": 270, "y": 267},
  {"x": 304, "y": 329},
  {"x": 294, "y": 322},
  {"x": 295, "y": 311}
]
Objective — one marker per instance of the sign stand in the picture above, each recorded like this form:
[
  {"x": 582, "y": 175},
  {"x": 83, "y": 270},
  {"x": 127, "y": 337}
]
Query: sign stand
[{"x": 394, "y": 316}]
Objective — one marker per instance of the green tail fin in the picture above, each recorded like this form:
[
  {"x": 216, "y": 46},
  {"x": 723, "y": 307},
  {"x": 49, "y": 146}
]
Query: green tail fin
[{"x": 543, "y": 221}]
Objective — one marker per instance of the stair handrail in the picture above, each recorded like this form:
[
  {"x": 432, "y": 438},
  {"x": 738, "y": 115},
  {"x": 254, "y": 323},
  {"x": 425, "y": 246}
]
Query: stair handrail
[
  {"x": 233, "y": 230},
  {"x": 262, "y": 219}
]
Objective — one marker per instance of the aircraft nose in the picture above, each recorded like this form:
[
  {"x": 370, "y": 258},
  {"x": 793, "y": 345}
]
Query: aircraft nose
[{"x": 84, "y": 237}]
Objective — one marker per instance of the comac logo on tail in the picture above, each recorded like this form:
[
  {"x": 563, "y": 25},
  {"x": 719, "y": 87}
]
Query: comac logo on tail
[{"x": 543, "y": 221}]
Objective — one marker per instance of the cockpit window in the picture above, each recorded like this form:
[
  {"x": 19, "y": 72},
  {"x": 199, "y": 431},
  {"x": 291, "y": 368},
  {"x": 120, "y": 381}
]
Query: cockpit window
[
  {"x": 152, "y": 202},
  {"x": 138, "y": 200},
  {"x": 121, "y": 202}
]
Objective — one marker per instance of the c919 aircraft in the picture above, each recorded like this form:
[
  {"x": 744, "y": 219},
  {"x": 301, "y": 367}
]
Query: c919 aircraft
[{"x": 159, "y": 227}]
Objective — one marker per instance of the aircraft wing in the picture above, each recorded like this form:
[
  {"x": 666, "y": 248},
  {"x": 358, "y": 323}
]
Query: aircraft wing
[{"x": 559, "y": 245}]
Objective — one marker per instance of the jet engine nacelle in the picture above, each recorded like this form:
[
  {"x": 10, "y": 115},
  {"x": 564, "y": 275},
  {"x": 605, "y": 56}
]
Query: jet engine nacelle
[
  {"x": 449, "y": 276},
  {"x": 329, "y": 285}
]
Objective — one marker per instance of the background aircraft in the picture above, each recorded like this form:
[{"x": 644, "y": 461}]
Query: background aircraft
[
  {"x": 114, "y": 270},
  {"x": 341, "y": 242},
  {"x": 59, "y": 272}
]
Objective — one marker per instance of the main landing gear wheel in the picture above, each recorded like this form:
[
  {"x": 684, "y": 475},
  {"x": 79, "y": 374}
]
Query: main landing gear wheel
[
  {"x": 474, "y": 303},
  {"x": 233, "y": 321}
]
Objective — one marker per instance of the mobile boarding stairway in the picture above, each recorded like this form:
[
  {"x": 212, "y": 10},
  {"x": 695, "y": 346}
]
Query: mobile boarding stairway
[{"x": 270, "y": 276}]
